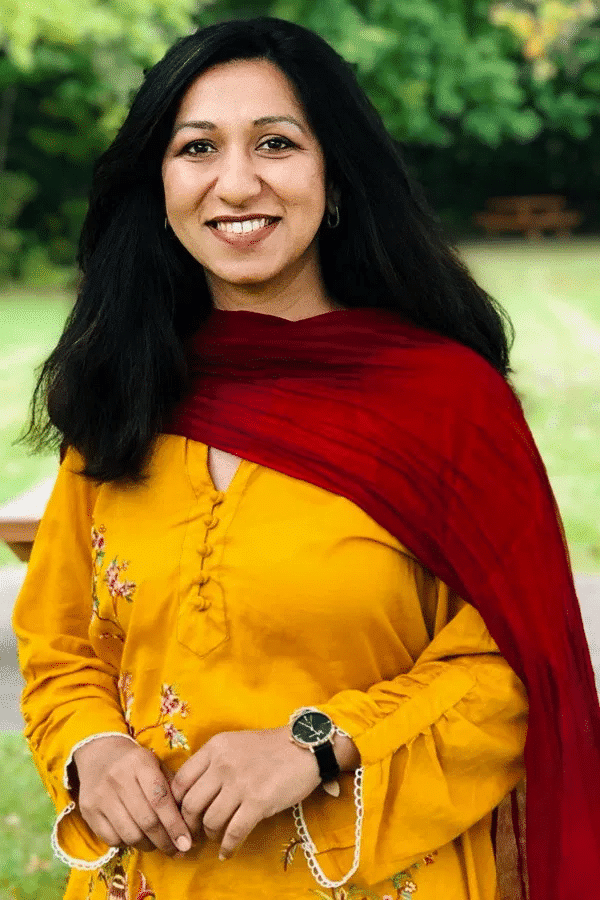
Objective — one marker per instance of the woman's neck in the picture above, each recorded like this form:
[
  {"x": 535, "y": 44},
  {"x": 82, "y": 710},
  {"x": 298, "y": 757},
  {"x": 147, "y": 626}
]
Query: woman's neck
[{"x": 294, "y": 297}]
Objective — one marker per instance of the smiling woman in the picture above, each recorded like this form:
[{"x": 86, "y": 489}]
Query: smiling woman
[
  {"x": 247, "y": 203},
  {"x": 301, "y": 582}
]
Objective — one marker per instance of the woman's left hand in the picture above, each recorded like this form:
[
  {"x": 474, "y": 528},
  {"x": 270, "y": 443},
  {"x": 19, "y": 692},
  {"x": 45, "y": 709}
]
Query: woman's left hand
[{"x": 239, "y": 778}]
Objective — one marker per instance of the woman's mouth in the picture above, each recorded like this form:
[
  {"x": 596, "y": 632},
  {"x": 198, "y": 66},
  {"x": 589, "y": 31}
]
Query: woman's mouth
[{"x": 244, "y": 233}]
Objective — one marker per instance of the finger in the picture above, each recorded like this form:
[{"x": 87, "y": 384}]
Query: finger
[
  {"x": 105, "y": 831},
  {"x": 219, "y": 814},
  {"x": 155, "y": 836},
  {"x": 241, "y": 824},
  {"x": 196, "y": 802},
  {"x": 188, "y": 774},
  {"x": 120, "y": 819},
  {"x": 165, "y": 825}
]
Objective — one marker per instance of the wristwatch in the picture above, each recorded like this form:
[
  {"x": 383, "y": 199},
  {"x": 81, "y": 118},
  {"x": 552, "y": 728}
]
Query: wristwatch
[{"x": 313, "y": 730}]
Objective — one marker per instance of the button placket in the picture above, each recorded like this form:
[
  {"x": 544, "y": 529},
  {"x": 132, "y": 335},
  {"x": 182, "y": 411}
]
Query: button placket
[
  {"x": 202, "y": 619},
  {"x": 210, "y": 521}
]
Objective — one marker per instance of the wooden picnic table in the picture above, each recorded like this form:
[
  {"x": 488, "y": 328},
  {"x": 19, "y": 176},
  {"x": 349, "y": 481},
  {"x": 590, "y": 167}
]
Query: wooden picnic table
[
  {"x": 20, "y": 518},
  {"x": 531, "y": 215}
]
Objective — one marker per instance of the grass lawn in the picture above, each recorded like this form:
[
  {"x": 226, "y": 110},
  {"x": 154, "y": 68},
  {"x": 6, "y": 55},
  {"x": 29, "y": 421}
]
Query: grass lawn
[
  {"x": 27, "y": 868},
  {"x": 30, "y": 325},
  {"x": 551, "y": 290}
]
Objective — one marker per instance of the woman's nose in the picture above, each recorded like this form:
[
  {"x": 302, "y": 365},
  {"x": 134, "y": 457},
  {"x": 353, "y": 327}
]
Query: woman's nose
[{"x": 238, "y": 179}]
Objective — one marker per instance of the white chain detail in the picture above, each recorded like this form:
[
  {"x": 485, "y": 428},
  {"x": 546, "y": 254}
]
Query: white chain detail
[
  {"x": 307, "y": 844},
  {"x": 88, "y": 740},
  {"x": 72, "y": 861}
]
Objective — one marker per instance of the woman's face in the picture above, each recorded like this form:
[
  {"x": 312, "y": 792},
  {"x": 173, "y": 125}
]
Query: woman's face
[{"x": 242, "y": 149}]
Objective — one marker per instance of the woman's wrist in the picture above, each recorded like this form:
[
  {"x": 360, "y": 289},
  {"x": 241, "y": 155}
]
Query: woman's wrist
[{"x": 346, "y": 752}]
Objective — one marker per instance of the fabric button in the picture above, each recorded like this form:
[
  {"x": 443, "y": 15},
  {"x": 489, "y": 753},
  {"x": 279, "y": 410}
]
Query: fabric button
[
  {"x": 211, "y": 521},
  {"x": 204, "y": 550},
  {"x": 203, "y": 604},
  {"x": 217, "y": 497}
]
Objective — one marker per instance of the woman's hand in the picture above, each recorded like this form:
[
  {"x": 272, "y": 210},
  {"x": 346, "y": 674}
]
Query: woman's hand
[
  {"x": 125, "y": 797},
  {"x": 239, "y": 778}
]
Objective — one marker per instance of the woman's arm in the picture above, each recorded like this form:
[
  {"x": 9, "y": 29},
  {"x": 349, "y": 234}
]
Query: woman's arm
[
  {"x": 440, "y": 746},
  {"x": 70, "y": 702}
]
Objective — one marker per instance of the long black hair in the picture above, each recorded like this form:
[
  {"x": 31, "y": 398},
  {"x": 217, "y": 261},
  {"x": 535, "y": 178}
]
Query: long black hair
[{"x": 120, "y": 367}]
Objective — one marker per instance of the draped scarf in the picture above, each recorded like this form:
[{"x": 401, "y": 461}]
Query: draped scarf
[{"x": 429, "y": 440}]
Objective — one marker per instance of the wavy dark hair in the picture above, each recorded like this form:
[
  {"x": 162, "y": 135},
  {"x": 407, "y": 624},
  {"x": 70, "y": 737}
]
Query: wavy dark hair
[{"x": 119, "y": 366}]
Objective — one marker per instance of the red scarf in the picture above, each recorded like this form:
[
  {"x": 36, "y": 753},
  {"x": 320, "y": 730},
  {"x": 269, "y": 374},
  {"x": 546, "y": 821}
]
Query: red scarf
[{"x": 429, "y": 440}]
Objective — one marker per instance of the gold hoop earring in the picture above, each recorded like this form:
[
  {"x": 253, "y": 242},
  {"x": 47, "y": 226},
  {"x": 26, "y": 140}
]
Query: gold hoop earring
[{"x": 331, "y": 221}]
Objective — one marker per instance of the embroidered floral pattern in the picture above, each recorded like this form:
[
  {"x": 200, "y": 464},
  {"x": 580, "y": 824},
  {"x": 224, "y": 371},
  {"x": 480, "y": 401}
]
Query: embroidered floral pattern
[
  {"x": 124, "y": 686},
  {"x": 145, "y": 892},
  {"x": 289, "y": 851},
  {"x": 170, "y": 705},
  {"x": 170, "y": 702},
  {"x": 114, "y": 877},
  {"x": 118, "y": 587},
  {"x": 403, "y": 882},
  {"x": 175, "y": 737}
]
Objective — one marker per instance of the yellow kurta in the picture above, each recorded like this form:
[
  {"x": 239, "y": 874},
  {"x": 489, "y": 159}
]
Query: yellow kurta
[{"x": 173, "y": 611}]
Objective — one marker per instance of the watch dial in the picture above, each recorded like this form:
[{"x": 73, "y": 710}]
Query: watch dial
[{"x": 311, "y": 727}]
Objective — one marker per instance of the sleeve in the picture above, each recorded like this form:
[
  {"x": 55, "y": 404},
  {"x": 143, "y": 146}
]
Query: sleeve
[
  {"x": 70, "y": 694},
  {"x": 440, "y": 747}
]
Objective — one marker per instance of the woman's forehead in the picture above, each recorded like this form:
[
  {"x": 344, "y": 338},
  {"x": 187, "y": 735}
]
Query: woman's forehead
[{"x": 247, "y": 90}]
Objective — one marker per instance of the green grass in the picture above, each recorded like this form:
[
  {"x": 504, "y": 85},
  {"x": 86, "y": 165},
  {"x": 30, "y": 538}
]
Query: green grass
[
  {"x": 27, "y": 868},
  {"x": 30, "y": 325},
  {"x": 552, "y": 292}
]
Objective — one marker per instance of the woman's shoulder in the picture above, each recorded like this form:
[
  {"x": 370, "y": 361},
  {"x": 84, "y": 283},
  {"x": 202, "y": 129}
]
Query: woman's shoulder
[{"x": 409, "y": 360}]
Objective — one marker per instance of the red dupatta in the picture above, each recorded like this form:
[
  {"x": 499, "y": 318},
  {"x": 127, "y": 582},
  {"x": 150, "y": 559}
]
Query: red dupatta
[{"x": 429, "y": 440}]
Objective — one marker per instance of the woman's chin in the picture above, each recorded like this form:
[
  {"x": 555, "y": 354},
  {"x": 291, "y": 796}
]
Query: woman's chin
[{"x": 246, "y": 276}]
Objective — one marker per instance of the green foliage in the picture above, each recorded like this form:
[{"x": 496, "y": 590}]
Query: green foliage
[
  {"x": 457, "y": 90},
  {"x": 75, "y": 65},
  {"x": 27, "y": 869},
  {"x": 443, "y": 73},
  {"x": 16, "y": 189}
]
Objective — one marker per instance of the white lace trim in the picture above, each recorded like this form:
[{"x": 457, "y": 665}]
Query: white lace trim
[
  {"x": 85, "y": 741},
  {"x": 307, "y": 844},
  {"x": 72, "y": 861}
]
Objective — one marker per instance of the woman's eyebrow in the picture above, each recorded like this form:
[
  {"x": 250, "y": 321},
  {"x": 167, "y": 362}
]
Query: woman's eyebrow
[{"x": 264, "y": 120}]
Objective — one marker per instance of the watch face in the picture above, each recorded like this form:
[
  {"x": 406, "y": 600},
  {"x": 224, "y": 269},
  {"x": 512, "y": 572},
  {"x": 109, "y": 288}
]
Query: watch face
[{"x": 312, "y": 727}]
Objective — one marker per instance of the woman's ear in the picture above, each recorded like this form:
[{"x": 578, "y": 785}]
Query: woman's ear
[{"x": 333, "y": 198}]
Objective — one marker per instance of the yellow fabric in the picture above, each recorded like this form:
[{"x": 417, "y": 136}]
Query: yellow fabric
[{"x": 213, "y": 611}]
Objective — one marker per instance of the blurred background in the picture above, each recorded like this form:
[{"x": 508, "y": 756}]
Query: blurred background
[{"x": 497, "y": 107}]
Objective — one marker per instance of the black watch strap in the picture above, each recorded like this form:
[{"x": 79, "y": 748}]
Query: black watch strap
[{"x": 328, "y": 764}]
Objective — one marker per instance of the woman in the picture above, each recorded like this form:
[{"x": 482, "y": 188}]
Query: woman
[{"x": 311, "y": 492}]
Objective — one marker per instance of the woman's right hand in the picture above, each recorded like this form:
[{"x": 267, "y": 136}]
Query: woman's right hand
[{"x": 126, "y": 799}]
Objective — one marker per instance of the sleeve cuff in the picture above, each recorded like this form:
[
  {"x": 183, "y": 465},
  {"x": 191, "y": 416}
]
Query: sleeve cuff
[
  {"x": 66, "y": 783},
  {"x": 60, "y": 833},
  {"x": 73, "y": 842},
  {"x": 415, "y": 714}
]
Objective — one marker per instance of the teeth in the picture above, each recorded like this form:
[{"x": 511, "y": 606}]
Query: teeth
[{"x": 242, "y": 227}]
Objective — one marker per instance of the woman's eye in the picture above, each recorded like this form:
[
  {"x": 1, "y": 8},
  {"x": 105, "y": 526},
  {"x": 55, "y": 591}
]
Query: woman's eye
[
  {"x": 196, "y": 148},
  {"x": 284, "y": 143},
  {"x": 202, "y": 148}
]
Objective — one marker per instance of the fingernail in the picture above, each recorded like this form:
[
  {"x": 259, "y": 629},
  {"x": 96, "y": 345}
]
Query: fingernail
[
  {"x": 222, "y": 856},
  {"x": 183, "y": 843}
]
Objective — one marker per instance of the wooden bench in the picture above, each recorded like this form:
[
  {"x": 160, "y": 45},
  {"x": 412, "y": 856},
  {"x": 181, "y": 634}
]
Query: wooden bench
[
  {"x": 529, "y": 215},
  {"x": 20, "y": 517}
]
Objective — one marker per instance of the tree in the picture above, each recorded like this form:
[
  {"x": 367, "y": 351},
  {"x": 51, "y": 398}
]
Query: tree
[{"x": 67, "y": 70}]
